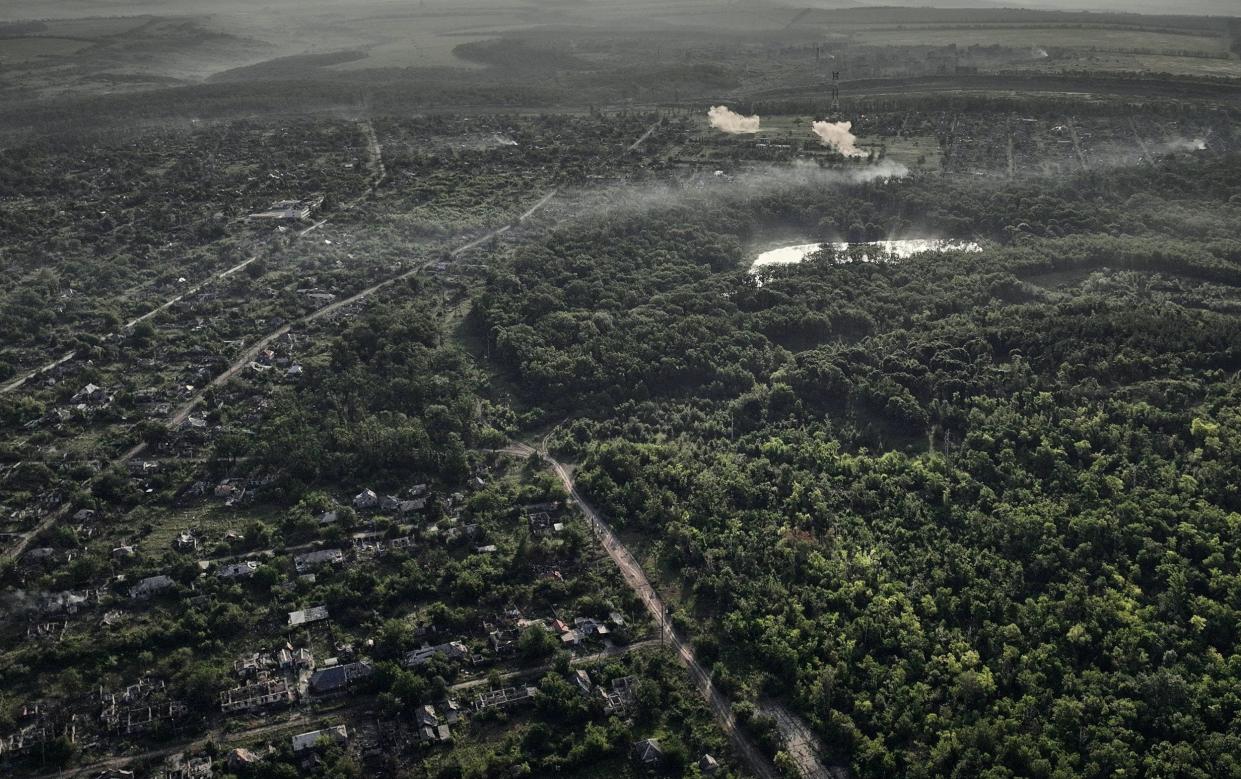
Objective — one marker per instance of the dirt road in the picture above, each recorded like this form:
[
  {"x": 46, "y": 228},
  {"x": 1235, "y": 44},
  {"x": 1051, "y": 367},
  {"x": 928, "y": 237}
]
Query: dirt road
[
  {"x": 378, "y": 170},
  {"x": 800, "y": 742},
  {"x": 142, "y": 317},
  {"x": 12, "y": 385},
  {"x": 527, "y": 673},
  {"x": 644, "y": 136},
  {"x": 1077, "y": 143},
  {"x": 24, "y": 539},
  {"x": 632, "y": 572},
  {"x": 299, "y": 719}
]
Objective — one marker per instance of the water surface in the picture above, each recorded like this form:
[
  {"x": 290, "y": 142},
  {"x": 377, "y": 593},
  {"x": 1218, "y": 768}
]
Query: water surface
[{"x": 898, "y": 249}]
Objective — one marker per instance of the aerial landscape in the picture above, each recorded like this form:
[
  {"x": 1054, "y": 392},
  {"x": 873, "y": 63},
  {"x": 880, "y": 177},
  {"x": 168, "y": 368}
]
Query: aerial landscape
[{"x": 790, "y": 389}]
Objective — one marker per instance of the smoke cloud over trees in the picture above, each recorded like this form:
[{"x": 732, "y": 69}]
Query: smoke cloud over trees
[{"x": 725, "y": 119}]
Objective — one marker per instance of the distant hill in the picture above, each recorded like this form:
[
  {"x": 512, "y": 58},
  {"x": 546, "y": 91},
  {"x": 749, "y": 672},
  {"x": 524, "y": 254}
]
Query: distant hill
[
  {"x": 1196, "y": 7},
  {"x": 1158, "y": 7}
]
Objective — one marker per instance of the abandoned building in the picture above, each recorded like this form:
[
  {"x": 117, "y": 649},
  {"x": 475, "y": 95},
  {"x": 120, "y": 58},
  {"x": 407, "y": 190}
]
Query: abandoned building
[{"x": 338, "y": 678}]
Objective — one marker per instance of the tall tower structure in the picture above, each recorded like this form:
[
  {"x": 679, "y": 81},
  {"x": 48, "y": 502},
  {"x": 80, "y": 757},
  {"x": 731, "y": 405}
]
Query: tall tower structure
[{"x": 834, "y": 109}]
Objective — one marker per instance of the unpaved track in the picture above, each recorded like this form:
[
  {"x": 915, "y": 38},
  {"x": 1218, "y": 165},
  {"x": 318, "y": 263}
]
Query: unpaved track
[
  {"x": 1077, "y": 144},
  {"x": 24, "y": 540},
  {"x": 218, "y": 736},
  {"x": 143, "y": 317},
  {"x": 378, "y": 170},
  {"x": 158, "y": 309},
  {"x": 194, "y": 290},
  {"x": 800, "y": 742},
  {"x": 540, "y": 670},
  {"x": 529, "y": 212},
  {"x": 1146, "y": 152},
  {"x": 140, "y": 318},
  {"x": 28, "y": 376},
  {"x": 644, "y": 136},
  {"x": 720, "y": 706}
]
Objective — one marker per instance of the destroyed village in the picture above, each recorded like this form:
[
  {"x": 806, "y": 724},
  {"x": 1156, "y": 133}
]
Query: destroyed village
[{"x": 748, "y": 389}]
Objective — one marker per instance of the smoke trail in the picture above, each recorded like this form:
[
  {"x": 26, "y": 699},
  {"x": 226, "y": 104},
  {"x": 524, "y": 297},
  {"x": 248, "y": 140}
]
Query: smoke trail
[
  {"x": 739, "y": 186},
  {"x": 723, "y": 118},
  {"x": 839, "y": 136},
  {"x": 1185, "y": 144},
  {"x": 880, "y": 171}
]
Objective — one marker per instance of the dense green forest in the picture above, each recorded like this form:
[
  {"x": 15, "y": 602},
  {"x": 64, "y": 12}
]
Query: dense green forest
[
  {"x": 391, "y": 401},
  {"x": 422, "y": 390},
  {"x": 976, "y": 514}
]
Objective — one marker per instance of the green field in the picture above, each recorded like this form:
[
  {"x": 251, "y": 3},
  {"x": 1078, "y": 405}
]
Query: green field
[
  {"x": 1142, "y": 63},
  {"x": 914, "y": 151},
  {"x": 96, "y": 27},
  {"x": 423, "y": 39},
  {"x": 209, "y": 522}
]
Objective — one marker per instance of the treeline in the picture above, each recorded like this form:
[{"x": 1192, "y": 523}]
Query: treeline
[
  {"x": 972, "y": 513},
  {"x": 657, "y": 304},
  {"x": 973, "y": 17},
  {"x": 399, "y": 92},
  {"x": 393, "y": 406}
]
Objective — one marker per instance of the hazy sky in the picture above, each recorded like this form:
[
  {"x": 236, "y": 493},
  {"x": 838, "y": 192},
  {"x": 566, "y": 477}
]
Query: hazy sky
[
  {"x": 1221, "y": 7},
  {"x": 34, "y": 9},
  {"x": 1211, "y": 7}
]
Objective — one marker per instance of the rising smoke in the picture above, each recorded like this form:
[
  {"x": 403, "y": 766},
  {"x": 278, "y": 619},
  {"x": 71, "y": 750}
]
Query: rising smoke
[
  {"x": 739, "y": 186},
  {"x": 839, "y": 136},
  {"x": 1185, "y": 144},
  {"x": 724, "y": 118}
]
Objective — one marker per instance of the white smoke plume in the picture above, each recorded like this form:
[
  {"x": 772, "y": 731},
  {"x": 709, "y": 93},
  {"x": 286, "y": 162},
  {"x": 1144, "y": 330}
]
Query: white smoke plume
[
  {"x": 1185, "y": 144},
  {"x": 738, "y": 185},
  {"x": 839, "y": 135},
  {"x": 724, "y": 118}
]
